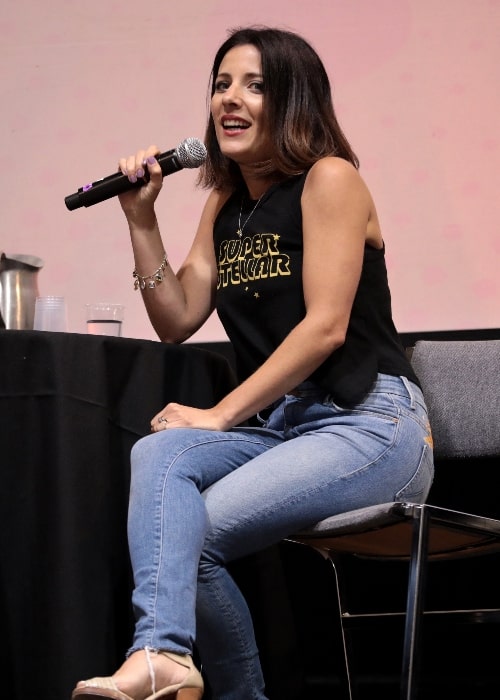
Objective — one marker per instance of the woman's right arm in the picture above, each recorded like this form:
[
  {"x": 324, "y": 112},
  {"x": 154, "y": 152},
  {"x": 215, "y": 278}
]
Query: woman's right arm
[{"x": 181, "y": 303}]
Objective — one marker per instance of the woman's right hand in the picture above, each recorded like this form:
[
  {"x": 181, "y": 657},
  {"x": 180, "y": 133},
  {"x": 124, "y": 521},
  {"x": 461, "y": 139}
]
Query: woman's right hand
[{"x": 138, "y": 203}]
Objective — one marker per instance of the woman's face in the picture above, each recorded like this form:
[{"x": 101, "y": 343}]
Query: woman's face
[{"x": 237, "y": 107}]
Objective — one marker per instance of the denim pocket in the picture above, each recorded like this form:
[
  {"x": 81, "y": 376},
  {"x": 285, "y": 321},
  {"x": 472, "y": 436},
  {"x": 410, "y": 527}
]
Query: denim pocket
[{"x": 418, "y": 487}]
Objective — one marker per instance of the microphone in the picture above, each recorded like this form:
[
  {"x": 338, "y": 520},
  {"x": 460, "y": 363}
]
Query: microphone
[{"x": 191, "y": 153}]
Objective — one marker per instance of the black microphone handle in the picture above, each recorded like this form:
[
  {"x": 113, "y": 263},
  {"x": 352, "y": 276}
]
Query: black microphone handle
[{"x": 118, "y": 183}]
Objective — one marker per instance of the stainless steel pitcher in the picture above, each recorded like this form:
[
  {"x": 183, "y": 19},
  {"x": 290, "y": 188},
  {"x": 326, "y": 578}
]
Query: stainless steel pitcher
[{"x": 18, "y": 290}]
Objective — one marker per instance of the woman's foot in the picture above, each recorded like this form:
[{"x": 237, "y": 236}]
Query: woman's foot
[{"x": 144, "y": 673}]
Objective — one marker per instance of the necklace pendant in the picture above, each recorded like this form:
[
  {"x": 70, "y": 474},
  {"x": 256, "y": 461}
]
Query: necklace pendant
[{"x": 239, "y": 230}]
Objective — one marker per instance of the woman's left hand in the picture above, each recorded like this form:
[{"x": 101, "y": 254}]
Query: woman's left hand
[{"x": 175, "y": 415}]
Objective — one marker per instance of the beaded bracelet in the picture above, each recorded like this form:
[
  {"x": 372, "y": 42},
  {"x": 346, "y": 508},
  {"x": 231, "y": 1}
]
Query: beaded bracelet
[{"x": 156, "y": 278}]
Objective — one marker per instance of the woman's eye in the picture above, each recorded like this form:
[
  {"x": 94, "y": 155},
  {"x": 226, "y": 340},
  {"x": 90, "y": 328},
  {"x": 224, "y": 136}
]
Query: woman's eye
[
  {"x": 254, "y": 86},
  {"x": 257, "y": 86}
]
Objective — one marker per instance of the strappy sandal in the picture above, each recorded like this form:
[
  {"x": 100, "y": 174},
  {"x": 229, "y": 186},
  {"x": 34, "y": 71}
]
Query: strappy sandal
[{"x": 191, "y": 687}]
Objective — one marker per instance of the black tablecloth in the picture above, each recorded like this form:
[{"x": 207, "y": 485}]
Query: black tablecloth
[{"x": 71, "y": 407}]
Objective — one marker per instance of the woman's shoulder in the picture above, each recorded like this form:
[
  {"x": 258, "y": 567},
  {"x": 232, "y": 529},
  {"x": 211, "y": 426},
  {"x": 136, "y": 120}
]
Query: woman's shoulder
[
  {"x": 333, "y": 167},
  {"x": 216, "y": 200},
  {"x": 218, "y": 197},
  {"x": 332, "y": 173}
]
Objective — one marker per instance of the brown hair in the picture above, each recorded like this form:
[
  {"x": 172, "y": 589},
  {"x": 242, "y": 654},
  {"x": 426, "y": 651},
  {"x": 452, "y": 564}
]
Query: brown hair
[{"x": 297, "y": 104}]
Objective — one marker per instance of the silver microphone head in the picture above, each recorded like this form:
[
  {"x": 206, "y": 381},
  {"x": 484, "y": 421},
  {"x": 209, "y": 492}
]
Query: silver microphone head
[{"x": 191, "y": 153}]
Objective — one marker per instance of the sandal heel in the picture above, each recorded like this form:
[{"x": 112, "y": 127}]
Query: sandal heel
[{"x": 189, "y": 694}]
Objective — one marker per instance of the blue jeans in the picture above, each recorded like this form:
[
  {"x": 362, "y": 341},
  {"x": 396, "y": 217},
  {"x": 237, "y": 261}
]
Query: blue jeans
[{"x": 200, "y": 499}]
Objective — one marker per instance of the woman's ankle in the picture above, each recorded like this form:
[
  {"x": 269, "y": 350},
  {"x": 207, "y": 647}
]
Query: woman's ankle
[{"x": 147, "y": 671}]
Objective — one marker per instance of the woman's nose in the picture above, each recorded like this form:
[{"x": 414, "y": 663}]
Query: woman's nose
[{"x": 232, "y": 95}]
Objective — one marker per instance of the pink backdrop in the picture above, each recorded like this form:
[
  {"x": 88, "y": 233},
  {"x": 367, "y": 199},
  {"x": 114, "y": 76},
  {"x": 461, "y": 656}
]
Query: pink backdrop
[{"x": 416, "y": 84}]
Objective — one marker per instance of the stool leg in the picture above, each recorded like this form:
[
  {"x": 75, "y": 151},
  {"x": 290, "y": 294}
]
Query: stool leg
[
  {"x": 344, "y": 641},
  {"x": 414, "y": 605}
]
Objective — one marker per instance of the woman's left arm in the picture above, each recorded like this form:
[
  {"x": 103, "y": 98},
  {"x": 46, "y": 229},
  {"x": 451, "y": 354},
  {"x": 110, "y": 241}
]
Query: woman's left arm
[{"x": 336, "y": 208}]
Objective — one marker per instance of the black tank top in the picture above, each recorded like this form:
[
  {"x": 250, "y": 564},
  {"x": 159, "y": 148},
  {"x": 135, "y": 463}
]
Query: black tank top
[{"x": 260, "y": 298}]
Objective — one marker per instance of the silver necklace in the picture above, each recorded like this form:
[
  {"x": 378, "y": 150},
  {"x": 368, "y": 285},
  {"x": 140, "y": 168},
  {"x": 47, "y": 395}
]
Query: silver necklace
[{"x": 240, "y": 229}]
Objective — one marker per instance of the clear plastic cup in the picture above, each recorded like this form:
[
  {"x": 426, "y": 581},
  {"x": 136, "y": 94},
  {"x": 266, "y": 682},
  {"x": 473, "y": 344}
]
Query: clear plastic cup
[
  {"x": 104, "y": 318},
  {"x": 50, "y": 314}
]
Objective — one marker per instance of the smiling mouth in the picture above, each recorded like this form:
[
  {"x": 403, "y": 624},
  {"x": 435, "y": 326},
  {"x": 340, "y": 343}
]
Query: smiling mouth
[{"x": 234, "y": 124}]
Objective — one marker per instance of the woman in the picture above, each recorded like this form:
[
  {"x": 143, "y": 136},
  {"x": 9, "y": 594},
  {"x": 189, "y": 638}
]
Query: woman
[{"x": 290, "y": 252}]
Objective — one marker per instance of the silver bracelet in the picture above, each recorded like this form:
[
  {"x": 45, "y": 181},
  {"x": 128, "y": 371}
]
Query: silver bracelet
[{"x": 141, "y": 282}]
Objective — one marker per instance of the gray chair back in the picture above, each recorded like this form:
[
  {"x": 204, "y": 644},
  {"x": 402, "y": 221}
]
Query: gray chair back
[{"x": 467, "y": 373}]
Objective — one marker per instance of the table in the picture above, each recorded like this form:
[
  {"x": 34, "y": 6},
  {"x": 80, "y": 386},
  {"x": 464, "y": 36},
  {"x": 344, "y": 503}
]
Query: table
[{"x": 71, "y": 407}]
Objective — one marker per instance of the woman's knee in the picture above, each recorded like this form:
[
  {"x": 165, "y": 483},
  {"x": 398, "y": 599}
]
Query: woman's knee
[
  {"x": 156, "y": 453},
  {"x": 181, "y": 452},
  {"x": 163, "y": 443},
  {"x": 144, "y": 453}
]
